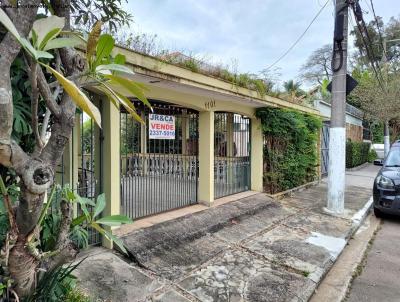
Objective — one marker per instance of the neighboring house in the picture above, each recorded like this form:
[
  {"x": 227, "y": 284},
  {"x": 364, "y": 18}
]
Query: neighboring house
[
  {"x": 354, "y": 119},
  {"x": 355, "y": 130},
  {"x": 202, "y": 142}
]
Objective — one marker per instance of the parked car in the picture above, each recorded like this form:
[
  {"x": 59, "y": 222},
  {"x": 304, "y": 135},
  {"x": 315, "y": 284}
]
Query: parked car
[
  {"x": 379, "y": 149},
  {"x": 386, "y": 191}
]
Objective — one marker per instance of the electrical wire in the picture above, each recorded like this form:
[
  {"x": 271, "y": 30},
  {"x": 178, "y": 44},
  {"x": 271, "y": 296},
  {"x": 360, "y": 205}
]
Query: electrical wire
[
  {"x": 379, "y": 29},
  {"x": 370, "y": 44},
  {"x": 299, "y": 38},
  {"x": 364, "y": 34}
]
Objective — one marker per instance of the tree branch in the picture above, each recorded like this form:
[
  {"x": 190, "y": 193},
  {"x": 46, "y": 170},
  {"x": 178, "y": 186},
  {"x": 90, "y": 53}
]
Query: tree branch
[
  {"x": 45, "y": 91},
  {"x": 34, "y": 106},
  {"x": 67, "y": 250}
]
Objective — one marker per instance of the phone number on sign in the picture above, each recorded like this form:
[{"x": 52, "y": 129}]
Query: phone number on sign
[{"x": 165, "y": 133}]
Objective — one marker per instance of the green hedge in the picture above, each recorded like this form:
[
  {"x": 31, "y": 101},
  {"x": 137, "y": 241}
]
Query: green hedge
[
  {"x": 290, "y": 149},
  {"x": 356, "y": 153}
]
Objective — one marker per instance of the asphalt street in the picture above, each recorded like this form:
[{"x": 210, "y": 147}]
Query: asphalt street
[{"x": 380, "y": 278}]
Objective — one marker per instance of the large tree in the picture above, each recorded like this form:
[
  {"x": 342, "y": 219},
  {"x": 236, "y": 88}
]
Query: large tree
[
  {"x": 379, "y": 34},
  {"x": 56, "y": 73},
  {"x": 318, "y": 66}
]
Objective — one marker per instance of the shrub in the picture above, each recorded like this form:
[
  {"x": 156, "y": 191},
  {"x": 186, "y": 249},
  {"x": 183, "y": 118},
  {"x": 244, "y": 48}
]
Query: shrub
[
  {"x": 290, "y": 153},
  {"x": 357, "y": 153},
  {"x": 372, "y": 156}
]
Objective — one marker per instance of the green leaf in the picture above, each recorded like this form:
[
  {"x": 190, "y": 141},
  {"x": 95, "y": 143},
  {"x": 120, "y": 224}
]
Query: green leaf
[
  {"x": 9, "y": 25},
  {"x": 86, "y": 201},
  {"x": 104, "y": 48},
  {"x": 44, "y": 26},
  {"x": 129, "y": 107},
  {"x": 114, "y": 67},
  {"x": 48, "y": 37},
  {"x": 117, "y": 241},
  {"x": 100, "y": 205},
  {"x": 120, "y": 59},
  {"x": 62, "y": 42},
  {"x": 34, "y": 38},
  {"x": 131, "y": 86},
  {"x": 78, "y": 220},
  {"x": 44, "y": 54},
  {"x": 110, "y": 236},
  {"x": 29, "y": 48},
  {"x": 86, "y": 212},
  {"x": 117, "y": 98},
  {"x": 114, "y": 220},
  {"x": 80, "y": 99}
]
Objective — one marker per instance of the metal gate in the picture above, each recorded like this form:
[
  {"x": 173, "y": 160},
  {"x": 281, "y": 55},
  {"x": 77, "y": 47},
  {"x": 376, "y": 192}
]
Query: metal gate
[
  {"x": 231, "y": 154},
  {"x": 325, "y": 149},
  {"x": 89, "y": 168},
  {"x": 158, "y": 174}
]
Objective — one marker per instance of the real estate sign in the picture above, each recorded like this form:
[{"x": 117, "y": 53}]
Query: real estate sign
[{"x": 161, "y": 126}]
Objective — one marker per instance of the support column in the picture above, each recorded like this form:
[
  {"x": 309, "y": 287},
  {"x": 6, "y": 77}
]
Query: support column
[
  {"x": 70, "y": 157},
  {"x": 111, "y": 160},
  {"x": 206, "y": 157},
  {"x": 71, "y": 161},
  {"x": 97, "y": 140},
  {"x": 257, "y": 156}
]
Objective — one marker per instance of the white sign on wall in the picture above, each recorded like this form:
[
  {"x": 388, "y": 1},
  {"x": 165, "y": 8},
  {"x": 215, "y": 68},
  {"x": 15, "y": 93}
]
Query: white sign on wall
[{"x": 161, "y": 126}]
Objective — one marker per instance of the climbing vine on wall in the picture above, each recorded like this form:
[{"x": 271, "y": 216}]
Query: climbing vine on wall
[{"x": 290, "y": 148}]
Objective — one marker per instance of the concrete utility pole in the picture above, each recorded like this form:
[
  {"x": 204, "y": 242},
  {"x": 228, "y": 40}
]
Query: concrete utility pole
[
  {"x": 337, "y": 135},
  {"x": 386, "y": 133}
]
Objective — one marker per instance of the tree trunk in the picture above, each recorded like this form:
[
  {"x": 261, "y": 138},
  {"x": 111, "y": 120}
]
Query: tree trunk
[
  {"x": 386, "y": 138},
  {"x": 23, "y": 268},
  {"x": 35, "y": 171}
]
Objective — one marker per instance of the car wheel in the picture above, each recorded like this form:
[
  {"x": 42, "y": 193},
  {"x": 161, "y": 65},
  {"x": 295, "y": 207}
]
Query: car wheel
[{"x": 378, "y": 213}]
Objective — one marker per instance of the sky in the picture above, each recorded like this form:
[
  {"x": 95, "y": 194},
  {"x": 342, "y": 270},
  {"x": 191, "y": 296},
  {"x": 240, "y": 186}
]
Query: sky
[{"x": 248, "y": 34}]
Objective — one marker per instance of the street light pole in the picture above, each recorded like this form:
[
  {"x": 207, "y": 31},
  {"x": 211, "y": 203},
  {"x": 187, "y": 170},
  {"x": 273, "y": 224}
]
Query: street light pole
[{"x": 337, "y": 134}]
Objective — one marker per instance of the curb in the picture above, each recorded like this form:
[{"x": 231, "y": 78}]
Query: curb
[
  {"x": 286, "y": 193},
  {"x": 358, "y": 167},
  {"x": 336, "y": 281}
]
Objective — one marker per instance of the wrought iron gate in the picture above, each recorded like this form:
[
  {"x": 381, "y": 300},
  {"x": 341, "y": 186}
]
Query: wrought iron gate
[
  {"x": 158, "y": 174},
  {"x": 231, "y": 154},
  {"x": 325, "y": 149},
  {"x": 89, "y": 167}
]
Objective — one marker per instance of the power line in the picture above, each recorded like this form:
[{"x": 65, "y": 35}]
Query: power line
[
  {"x": 362, "y": 28},
  {"x": 379, "y": 29},
  {"x": 299, "y": 38},
  {"x": 372, "y": 48}
]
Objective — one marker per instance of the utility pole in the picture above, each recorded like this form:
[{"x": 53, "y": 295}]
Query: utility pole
[
  {"x": 386, "y": 133},
  {"x": 337, "y": 134}
]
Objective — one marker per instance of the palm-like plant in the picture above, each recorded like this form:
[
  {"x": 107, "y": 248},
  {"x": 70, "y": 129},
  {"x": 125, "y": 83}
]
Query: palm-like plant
[{"x": 293, "y": 90}]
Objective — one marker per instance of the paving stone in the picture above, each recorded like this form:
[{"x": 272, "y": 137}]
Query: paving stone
[
  {"x": 314, "y": 199},
  {"x": 237, "y": 275},
  {"x": 170, "y": 296},
  {"x": 172, "y": 248},
  {"x": 177, "y": 261},
  {"x": 289, "y": 246},
  {"x": 107, "y": 277},
  {"x": 321, "y": 223},
  {"x": 241, "y": 229}
]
